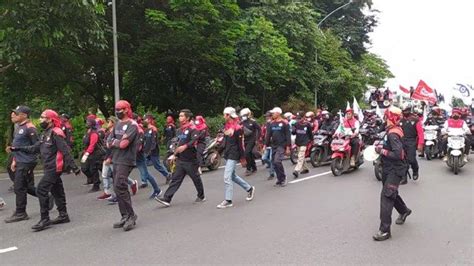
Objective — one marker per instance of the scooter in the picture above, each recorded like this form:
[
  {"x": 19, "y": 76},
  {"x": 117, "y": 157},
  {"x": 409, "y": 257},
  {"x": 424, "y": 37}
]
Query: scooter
[
  {"x": 213, "y": 153},
  {"x": 321, "y": 151},
  {"x": 455, "y": 152},
  {"x": 431, "y": 142},
  {"x": 342, "y": 153}
]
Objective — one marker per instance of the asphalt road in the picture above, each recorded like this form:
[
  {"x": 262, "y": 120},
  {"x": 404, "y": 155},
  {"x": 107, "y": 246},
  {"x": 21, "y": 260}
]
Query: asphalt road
[{"x": 324, "y": 219}]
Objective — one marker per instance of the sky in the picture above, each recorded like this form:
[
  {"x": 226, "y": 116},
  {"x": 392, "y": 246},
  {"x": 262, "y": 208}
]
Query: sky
[{"x": 431, "y": 40}]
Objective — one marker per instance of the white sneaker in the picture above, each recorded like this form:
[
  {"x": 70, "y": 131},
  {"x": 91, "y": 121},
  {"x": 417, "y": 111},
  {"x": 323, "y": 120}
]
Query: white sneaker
[
  {"x": 225, "y": 204},
  {"x": 2, "y": 203},
  {"x": 465, "y": 159},
  {"x": 445, "y": 158}
]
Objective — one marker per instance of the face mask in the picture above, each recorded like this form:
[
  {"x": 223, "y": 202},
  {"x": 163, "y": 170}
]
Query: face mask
[
  {"x": 120, "y": 115},
  {"x": 196, "y": 122},
  {"x": 455, "y": 117},
  {"x": 44, "y": 125},
  {"x": 244, "y": 118}
]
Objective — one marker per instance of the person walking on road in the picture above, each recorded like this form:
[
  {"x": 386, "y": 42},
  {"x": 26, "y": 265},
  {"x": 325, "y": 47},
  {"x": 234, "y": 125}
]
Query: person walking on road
[
  {"x": 278, "y": 137},
  {"x": 303, "y": 130},
  {"x": 413, "y": 139},
  {"x": 251, "y": 131},
  {"x": 186, "y": 160},
  {"x": 233, "y": 153},
  {"x": 394, "y": 169}
]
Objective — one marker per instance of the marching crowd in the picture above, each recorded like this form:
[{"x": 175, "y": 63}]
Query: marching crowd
[{"x": 129, "y": 141}]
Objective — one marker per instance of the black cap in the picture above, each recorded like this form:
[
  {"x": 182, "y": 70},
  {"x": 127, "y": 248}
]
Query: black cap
[{"x": 22, "y": 109}]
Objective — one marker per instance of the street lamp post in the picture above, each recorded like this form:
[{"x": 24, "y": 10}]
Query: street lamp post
[
  {"x": 116, "y": 70},
  {"x": 316, "y": 56}
]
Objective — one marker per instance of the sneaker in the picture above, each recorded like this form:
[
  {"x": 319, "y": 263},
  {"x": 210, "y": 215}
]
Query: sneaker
[
  {"x": 305, "y": 171},
  {"x": 16, "y": 217},
  {"x": 51, "y": 202},
  {"x": 381, "y": 236},
  {"x": 250, "y": 194},
  {"x": 200, "y": 170},
  {"x": 163, "y": 202},
  {"x": 465, "y": 159},
  {"x": 270, "y": 177},
  {"x": 2, "y": 203},
  {"x": 199, "y": 200},
  {"x": 134, "y": 187},
  {"x": 41, "y": 225},
  {"x": 113, "y": 200},
  {"x": 295, "y": 174},
  {"x": 143, "y": 186},
  {"x": 402, "y": 217},
  {"x": 155, "y": 194},
  {"x": 225, "y": 204},
  {"x": 445, "y": 158},
  {"x": 104, "y": 196},
  {"x": 120, "y": 223},
  {"x": 130, "y": 223},
  {"x": 353, "y": 161},
  {"x": 61, "y": 219}
]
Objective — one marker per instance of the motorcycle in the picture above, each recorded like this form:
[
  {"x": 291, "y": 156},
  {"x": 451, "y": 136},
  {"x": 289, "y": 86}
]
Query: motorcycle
[
  {"x": 368, "y": 133},
  {"x": 455, "y": 152},
  {"x": 342, "y": 153},
  {"x": 321, "y": 151},
  {"x": 213, "y": 153},
  {"x": 431, "y": 142}
]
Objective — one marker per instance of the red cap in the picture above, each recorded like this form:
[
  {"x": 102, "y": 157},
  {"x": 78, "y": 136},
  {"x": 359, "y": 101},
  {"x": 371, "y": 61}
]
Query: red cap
[{"x": 51, "y": 114}]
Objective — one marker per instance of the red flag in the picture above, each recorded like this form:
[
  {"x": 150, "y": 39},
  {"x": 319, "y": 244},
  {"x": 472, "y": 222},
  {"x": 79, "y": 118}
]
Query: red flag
[
  {"x": 405, "y": 90},
  {"x": 424, "y": 93}
]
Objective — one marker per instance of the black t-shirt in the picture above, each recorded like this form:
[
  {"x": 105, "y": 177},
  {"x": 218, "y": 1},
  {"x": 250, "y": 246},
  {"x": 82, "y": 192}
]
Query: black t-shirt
[
  {"x": 188, "y": 136},
  {"x": 278, "y": 134},
  {"x": 233, "y": 149},
  {"x": 251, "y": 130},
  {"x": 125, "y": 130},
  {"x": 303, "y": 132}
]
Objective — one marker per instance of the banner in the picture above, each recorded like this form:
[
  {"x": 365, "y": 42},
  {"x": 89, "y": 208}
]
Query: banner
[
  {"x": 424, "y": 93},
  {"x": 405, "y": 90}
]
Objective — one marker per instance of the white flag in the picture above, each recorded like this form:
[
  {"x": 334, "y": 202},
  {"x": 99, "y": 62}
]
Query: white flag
[
  {"x": 348, "y": 106},
  {"x": 358, "y": 111}
]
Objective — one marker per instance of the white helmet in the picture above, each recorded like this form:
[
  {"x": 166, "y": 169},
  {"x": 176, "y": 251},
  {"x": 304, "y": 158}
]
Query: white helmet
[
  {"x": 230, "y": 111},
  {"x": 245, "y": 111},
  {"x": 309, "y": 114},
  {"x": 288, "y": 115}
]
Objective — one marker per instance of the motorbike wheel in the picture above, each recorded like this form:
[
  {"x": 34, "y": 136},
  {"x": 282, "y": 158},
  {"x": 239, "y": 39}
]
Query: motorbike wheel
[
  {"x": 378, "y": 171},
  {"x": 456, "y": 163},
  {"x": 428, "y": 153},
  {"x": 294, "y": 156},
  {"x": 315, "y": 158},
  {"x": 215, "y": 162},
  {"x": 336, "y": 167}
]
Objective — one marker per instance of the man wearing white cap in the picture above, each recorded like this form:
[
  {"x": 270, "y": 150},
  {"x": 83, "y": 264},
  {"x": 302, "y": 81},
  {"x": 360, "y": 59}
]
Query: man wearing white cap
[
  {"x": 233, "y": 153},
  {"x": 278, "y": 137}
]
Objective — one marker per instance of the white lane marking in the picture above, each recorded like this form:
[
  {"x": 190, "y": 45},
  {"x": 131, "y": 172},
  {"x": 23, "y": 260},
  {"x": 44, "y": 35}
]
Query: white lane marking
[
  {"x": 8, "y": 249},
  {"x": 309, "y": 177}
]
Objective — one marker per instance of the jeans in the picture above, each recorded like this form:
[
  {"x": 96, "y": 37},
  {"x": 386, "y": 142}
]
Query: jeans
[
  {"x": 145, "y": 175},
  {"x": 267, "y": 159},
  {"x": 155, "y": 160},
  {"x": 107, "y": 178},
  {"x": 230, "y": 177}
]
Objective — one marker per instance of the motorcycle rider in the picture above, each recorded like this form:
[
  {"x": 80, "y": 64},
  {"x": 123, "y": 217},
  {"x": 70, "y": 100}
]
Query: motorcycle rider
[
  {"x": 455, "y": 121},
  {"x": 304, "y": 134},
  {"x": 311, "y": 118},
  {"x": 251, "y": 131},
  {"x": 351, "y": 124},
  {"x": 435, "y": 118},
  {"x": 394, "y": 168},
  {"x": 56, "y": 159},
  {"x": 327, "y": 124},
  {"x": 413, "y": 139}
]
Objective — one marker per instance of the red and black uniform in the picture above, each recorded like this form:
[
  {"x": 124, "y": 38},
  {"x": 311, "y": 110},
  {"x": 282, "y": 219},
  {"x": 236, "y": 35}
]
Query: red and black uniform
[
  {"x": 124, "y": 142},
  {"x": 169, "y": 130},
  {"x": 68, "y": 130},
  {"x": 94, "y": 147},
  {"x": 394, "y": 170},
  {"x": 203, "y": 135},
  {"x": 413, "y": 138},
  {"x": 186, "y": 163},
  {"x": 24, "y": 135},
  {"x": 56, "y": 157}
]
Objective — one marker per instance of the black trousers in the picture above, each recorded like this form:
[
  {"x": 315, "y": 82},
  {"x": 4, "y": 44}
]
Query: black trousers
[
  {"x": 278, "y": 155},
  {"x": 121, "y": 173},
  {"x": 183, "y": 169},
  {"x": 24, "y": 184},
  {"x": 11, "y": 174},
  {"x": 389, "y": 198},
  {"x": 250, "y": 156},
  {"x": 410, "y": 148},
  {"x": 200, "y": 153},
  {"x": 91, "y": 169},
  {"x": 355, "y": 146},
  {"x": 51, "y": 182}
]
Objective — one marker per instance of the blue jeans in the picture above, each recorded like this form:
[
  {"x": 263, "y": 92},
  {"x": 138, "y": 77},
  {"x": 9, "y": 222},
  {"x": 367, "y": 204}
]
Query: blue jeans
[
  {"x": 145, "y": 175},
  {"x": 155, "y": 160},
  {"x": 230, "y": 177},
  {"x": 107, "y": 178},
  {"x": 267, "y": 159}
]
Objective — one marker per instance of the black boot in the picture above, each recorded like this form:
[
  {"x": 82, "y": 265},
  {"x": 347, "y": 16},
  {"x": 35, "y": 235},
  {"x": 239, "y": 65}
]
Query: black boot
[
  {"x": 381, "y": 236},
  {"x": 16, "y": 217},
  {"x": 61, "y": 219},
  {"x": 402, "y": 217},
  {"x": 41, "y": 225},
  {"x": 121, "y": 223},
  {"x": 130, "y": 223}
]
